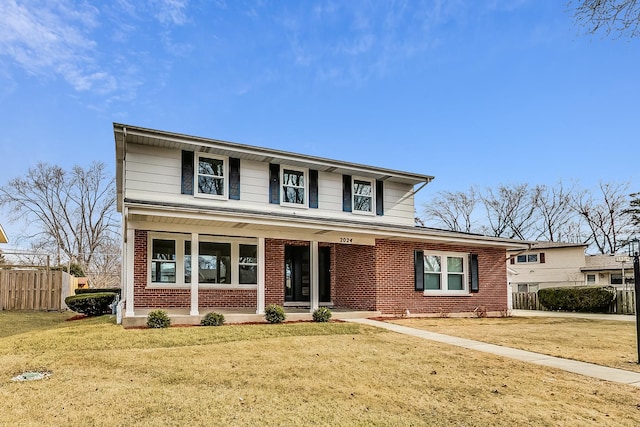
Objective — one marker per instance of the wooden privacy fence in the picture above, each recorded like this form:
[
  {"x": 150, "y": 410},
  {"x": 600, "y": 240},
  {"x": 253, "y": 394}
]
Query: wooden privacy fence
[
  {"x": 624, "y": 302},
  {"x": 30, "y": 290}
]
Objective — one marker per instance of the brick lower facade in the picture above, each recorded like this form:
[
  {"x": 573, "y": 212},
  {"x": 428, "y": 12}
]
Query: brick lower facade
[{"x": 379, "y": 277}]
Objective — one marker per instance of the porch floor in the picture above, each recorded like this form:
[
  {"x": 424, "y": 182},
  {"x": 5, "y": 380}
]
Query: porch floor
[{"x": 181, "y": 316}]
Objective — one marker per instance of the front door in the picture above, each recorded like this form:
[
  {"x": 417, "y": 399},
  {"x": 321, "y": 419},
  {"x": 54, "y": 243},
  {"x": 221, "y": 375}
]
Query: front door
[{"x": 297, "y": 274}]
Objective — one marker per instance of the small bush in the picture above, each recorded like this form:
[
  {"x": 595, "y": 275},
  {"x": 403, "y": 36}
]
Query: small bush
[
  {"x": 322, "y": 314},
  {"x": 93, "y": 304},
  {"x": 212, "y": 319},
  {"x": 581, "y": 299},
  {"x": 97, "y": 290},
  {"x": 158, "y": 319},
  {"x": 274, "y": 314}
]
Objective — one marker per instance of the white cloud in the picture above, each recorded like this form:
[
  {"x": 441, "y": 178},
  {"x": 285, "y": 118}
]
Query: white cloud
[
  {"x": 50, "y": 39},
  {"x": 171, "y": 11}
]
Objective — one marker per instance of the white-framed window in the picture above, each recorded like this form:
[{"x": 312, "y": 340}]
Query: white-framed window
[
  {"x": 211, "y": 176},
  {"x": 445, "y": 273},
  {"x": 294, "y": 186},
  {"x": 363, "y": 195},
  {"x": 591, "y": 279},
  {"x": 527, "y": 258},
  {"x": 223, "y": 262},
  {"x": 163, "y": 261}
]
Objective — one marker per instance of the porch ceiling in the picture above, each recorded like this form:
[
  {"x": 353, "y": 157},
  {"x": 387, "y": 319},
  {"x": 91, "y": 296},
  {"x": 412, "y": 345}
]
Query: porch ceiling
[{"x": 255, "y": 224}]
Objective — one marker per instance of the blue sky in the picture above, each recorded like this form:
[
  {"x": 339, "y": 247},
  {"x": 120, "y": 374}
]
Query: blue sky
[{"x": 477, "y": 92}]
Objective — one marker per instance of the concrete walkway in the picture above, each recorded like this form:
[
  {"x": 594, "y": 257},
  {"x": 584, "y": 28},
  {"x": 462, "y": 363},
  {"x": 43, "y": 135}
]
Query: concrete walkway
[
  {"x": 582, "y": 368},
  {"x": 594, "y": 316}
]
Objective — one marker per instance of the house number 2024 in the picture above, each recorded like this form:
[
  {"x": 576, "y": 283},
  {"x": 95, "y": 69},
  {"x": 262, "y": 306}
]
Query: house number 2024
[{"x": 346, "y": 240}]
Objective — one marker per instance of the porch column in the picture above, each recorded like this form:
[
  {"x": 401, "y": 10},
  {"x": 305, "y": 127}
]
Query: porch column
[
  {"x": 195, "y": 276},
  {"x": 315, "y": 276},
  {"x": 260, "y": 276},
  {"x": 129, "y": 253}
]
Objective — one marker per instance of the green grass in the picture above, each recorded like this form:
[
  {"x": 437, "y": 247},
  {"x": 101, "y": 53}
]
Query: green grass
[
  {"x": 607, "y": 343},
  {"x": 288, "y": 374}
]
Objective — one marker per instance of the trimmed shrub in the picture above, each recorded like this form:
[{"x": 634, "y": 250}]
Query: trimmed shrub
[
  {"x": 582, "y": 299},
  {"x": 212, "y": 319},
  {"x": 97, "y": 290},
  {"x": 92, "y": 304},
  {"x": 158, "y": 319},
  {"x": 322, "y": 314},
  {"x": 274, "y": 314}
]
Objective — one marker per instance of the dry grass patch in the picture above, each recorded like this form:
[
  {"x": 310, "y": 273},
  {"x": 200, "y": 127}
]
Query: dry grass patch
[
  {"x": 290, "y": 374},
  {"x": 607, "y": 343}
]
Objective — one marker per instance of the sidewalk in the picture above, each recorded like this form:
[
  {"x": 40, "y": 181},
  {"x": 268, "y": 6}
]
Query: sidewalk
[
  {"x": 582, "y": 368},
  {"x": 594, "y": 316}
]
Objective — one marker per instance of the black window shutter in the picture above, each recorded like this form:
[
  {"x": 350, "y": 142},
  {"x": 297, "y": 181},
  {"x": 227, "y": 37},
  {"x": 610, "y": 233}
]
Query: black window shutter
[
  {"x": 274, "y": 183},
  {"x": 187, "y": 172},
  {"x": 541, "y": 257},
  {"x": 346, "y": 193},
  {"x": 379, "y": 197},
  {"x": 234, "y": 178},
  {"x": 313, "y": 188},
  {"x": 473, "y": 273},
  {"x": 418, "y": 262}
]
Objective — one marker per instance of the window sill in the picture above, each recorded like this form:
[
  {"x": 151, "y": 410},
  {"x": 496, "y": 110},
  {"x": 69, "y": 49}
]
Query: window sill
[
  {"x": 210, "y": 196},
  {"x": 446, "y": 293},
  {"x": 187, "y": 286}
]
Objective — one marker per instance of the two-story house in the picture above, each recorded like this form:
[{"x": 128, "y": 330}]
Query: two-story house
[
  {"x": 546, "y": 265},
  {"x": 210, "y": 224}
]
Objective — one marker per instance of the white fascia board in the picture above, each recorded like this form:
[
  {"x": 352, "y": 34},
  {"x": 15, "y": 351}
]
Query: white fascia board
[{"x": 316, "y": 225}]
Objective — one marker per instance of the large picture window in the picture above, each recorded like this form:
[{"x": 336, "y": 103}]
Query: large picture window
[
  {"x": 221, "y": 261},
  {"x": 293, "y": 187},
  {"x": 211, "y": 174},
  {"x": 445, "y": 272}
]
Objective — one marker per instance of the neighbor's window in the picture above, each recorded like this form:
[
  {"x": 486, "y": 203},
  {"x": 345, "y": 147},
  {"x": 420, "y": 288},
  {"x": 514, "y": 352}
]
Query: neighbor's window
[
  {"x": 527, "y": 258},
  {"x": 293, "y": 187},
  {"x": 444, "y": 272},
  {"x": 362, "y": 195},
  {"x": 211, "y": 173},
  {"x": 591, "y": 279},
  {"x": 616, "y": 279},
  {"x": 163, "y": 261}
]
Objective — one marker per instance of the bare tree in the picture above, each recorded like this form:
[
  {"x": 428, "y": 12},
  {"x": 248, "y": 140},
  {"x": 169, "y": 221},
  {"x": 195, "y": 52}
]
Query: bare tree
[
  {"x": 606, "y": 216},
  {"x": 553, "y": 213},
  {"x": 71, "y": 211},
  {"x": 510, "y": 210},
  {"x": 452, "y": 211},
  {"x": 634, "y": 209},
  {"x": 621, "y": 17}
]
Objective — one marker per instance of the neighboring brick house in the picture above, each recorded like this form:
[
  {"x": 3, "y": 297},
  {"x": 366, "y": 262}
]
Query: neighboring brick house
[{"x": 258, "y": 226}]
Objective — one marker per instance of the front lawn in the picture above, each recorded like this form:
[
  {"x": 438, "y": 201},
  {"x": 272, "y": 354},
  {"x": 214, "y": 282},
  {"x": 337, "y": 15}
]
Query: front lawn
[
  {"x": 288, "y": 374},
  {"x": 608, "y": 343}
]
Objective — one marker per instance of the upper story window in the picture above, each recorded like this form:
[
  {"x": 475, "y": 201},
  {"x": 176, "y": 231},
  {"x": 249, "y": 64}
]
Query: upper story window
[
  {"x": 363, "y": 195},
  {"x": 527, "y": 258},
  {"x": 294, "y": 187},
  {"x": 211, "y": 176}
]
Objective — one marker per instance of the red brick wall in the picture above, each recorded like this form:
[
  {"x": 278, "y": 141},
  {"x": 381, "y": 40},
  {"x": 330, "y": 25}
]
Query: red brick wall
[
  {"x": 180, "y": 298},
  {"x": 395, "y": 280},
  {"x": 355, "y": 282},
  {"x": 379, "y": 277}
]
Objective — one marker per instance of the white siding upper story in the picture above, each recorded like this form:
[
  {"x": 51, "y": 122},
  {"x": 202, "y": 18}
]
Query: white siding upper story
[
  {"x": 154, "y": 174},
  {"x": 547, "y": 265}
]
